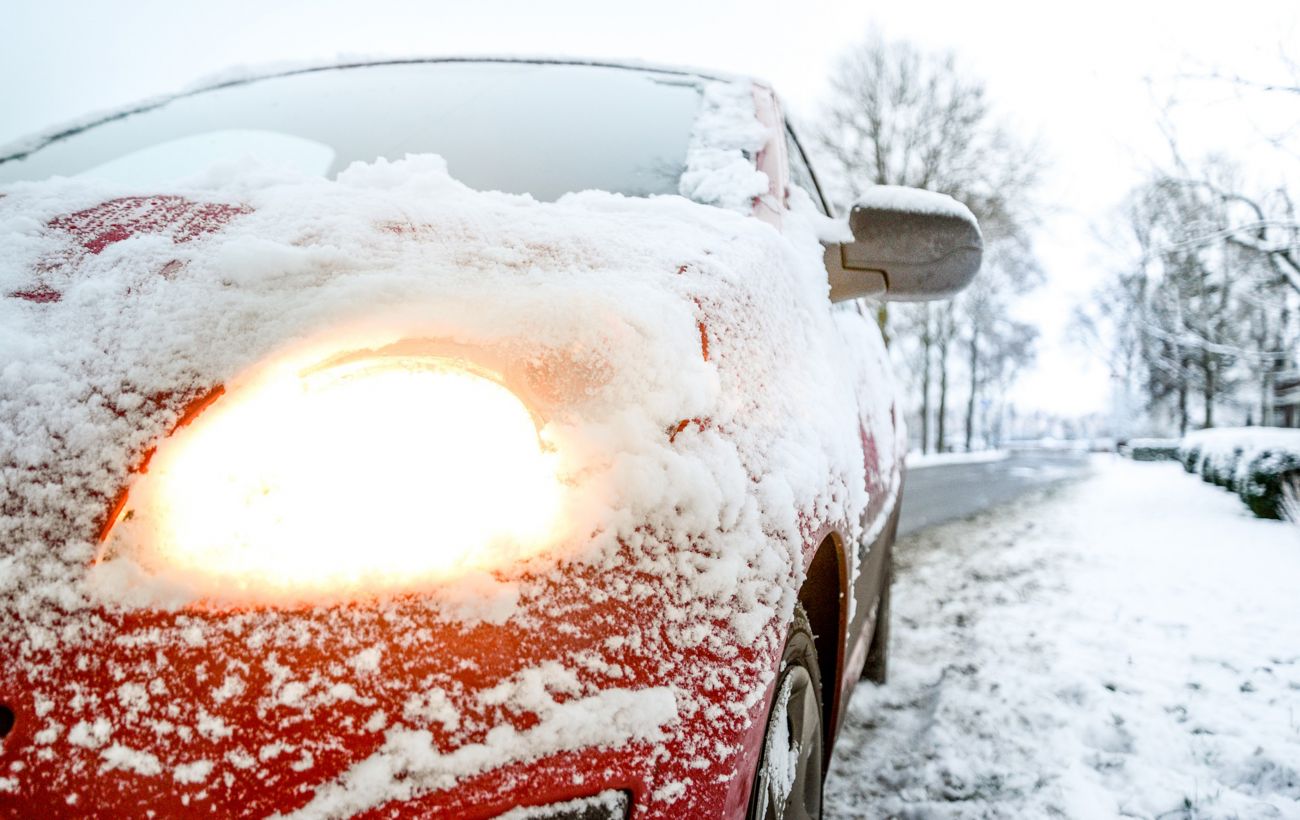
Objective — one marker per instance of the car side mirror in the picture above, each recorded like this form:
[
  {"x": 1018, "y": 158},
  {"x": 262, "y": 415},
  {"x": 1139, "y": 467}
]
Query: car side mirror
[{"x": 908, "y": 245}]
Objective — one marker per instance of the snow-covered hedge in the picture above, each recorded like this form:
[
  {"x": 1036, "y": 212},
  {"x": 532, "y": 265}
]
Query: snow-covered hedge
[
  {"x": 1151, "y": 449},
  {"x": 1258, "y": 463}
]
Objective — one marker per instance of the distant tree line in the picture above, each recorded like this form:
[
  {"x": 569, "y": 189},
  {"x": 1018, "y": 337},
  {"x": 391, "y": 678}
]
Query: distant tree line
[{"x": 1206, "y": 316}]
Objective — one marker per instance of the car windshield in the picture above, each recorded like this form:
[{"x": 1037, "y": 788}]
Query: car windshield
[{"x": 543, "y": 129}]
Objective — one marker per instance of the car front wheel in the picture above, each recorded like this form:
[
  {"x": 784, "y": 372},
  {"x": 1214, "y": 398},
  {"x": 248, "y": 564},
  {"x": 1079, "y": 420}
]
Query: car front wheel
[{"x": 788, "y": 783}]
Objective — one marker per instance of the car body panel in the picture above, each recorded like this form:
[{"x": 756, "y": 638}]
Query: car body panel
[{"x": 304, "y": 699}]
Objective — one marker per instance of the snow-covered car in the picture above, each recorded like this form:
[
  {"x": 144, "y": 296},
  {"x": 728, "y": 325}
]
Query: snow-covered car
[{"x": 444, "y": 438}]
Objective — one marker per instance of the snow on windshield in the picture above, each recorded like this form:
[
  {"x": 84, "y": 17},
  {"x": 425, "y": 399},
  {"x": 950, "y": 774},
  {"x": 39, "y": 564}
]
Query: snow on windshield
[{"x": 544, "y": 129}]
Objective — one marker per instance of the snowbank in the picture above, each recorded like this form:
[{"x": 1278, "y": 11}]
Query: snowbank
[
  {"x": 917, "y": 460},
  {"x": 1126, "y": 648},
  {"x": 1260, "y": 464}
]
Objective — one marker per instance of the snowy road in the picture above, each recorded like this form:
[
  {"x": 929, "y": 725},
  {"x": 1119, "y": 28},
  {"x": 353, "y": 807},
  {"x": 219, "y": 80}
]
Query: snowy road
[
  {"x": 945, "y": 492},
  {"x": 1125, "y": 646}
]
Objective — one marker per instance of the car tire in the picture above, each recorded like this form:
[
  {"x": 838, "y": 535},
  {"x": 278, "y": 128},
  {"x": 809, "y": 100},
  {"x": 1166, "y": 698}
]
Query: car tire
[
  {"x": 788, "y": 781},
  {"x": 876, "y": 667}
]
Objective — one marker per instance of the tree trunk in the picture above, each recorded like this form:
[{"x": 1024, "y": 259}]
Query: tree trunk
[
  {"x": 941, "y": 421},
  {"x": 1207, "y": 390},
  {"x": 1182, "y": 397},
  {"x": 1265, "y": 396},
  {"x": 927, "y": 341},
  {"x": 974, "y": 387},
  {"x": 1268, "y": 393}
]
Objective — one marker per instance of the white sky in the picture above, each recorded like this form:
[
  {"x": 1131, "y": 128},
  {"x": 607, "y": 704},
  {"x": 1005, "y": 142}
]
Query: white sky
[{"x": 1074, "y": 75}]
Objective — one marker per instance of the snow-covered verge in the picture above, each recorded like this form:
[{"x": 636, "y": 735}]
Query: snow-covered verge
[
  {"x": 1128, "y": 647},
  {"x": 665, "y": 346},
  {"x": 917, "y": 460},
  {"x": 1260, "y": 464}
]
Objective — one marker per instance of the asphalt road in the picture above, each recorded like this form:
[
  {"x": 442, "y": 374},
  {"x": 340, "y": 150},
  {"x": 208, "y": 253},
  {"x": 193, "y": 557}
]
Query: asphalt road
[{"x": 939, "y": 493}]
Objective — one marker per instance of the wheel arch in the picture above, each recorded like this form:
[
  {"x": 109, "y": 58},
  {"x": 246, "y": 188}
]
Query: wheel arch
[{"x": 824, "y": 598}]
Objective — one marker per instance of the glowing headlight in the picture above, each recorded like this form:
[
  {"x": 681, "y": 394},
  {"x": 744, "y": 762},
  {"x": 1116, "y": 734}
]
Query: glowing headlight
[{"x": 358, "y": 477}]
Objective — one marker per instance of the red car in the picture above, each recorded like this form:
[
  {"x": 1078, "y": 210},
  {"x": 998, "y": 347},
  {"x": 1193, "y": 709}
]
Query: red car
[{"x": 444, "y": 438}]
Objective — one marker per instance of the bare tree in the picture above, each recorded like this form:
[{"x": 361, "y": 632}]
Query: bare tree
[
  {"x": 902, "y": 116},
  {"x": 1207, "y": 312},
  {"x": 1203, "y": 313},
  {"x": 1265, "y": 222},
  {"x": 996, "y": 348},
  {"x": 945, "y": 333},
  {"x": 919, "y": 324}
]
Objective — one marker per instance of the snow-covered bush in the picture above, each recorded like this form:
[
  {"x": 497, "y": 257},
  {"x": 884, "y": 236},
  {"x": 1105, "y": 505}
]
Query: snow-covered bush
[
  {"x": 1219, "y": 466},
  {"x": 1291, "y": 499},
  {"x": 1189, "y": 454},
  {"x": 1266, "y": 480},
  {"x": 1151, "y": 449},
  {"x": 1259, "y": 463}
]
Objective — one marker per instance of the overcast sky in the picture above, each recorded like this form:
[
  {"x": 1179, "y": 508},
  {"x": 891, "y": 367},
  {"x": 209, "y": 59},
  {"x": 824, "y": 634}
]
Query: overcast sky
[{"x": 1086, "y": 79}]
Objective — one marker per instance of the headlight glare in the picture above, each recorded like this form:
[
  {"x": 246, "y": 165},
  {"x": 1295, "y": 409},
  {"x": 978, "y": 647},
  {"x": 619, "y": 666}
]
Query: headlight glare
[{"x": 360, "y": 477}]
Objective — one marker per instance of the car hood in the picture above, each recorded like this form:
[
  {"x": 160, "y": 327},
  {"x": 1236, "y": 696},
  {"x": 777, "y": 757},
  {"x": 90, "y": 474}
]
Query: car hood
[{"x": 673, "y": 352}]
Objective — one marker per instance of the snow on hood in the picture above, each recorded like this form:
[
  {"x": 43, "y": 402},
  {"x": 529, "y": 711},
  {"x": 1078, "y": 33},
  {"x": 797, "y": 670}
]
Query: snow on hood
[
  {"x": 308, "y": 269},
  {"x": 689, "y": 340}
]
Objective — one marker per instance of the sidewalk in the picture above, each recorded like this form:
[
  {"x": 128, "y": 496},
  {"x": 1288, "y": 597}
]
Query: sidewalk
[{"x": 1129, "y": 646}]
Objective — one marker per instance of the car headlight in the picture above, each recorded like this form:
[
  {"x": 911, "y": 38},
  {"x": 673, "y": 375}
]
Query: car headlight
[{"x": 359, "y": 476}]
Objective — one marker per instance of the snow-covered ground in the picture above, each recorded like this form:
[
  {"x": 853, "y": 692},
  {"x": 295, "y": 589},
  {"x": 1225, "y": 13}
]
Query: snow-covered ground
[
  {"x": 917, "y": 460},
  {"x": 1124, "y": 647}
]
